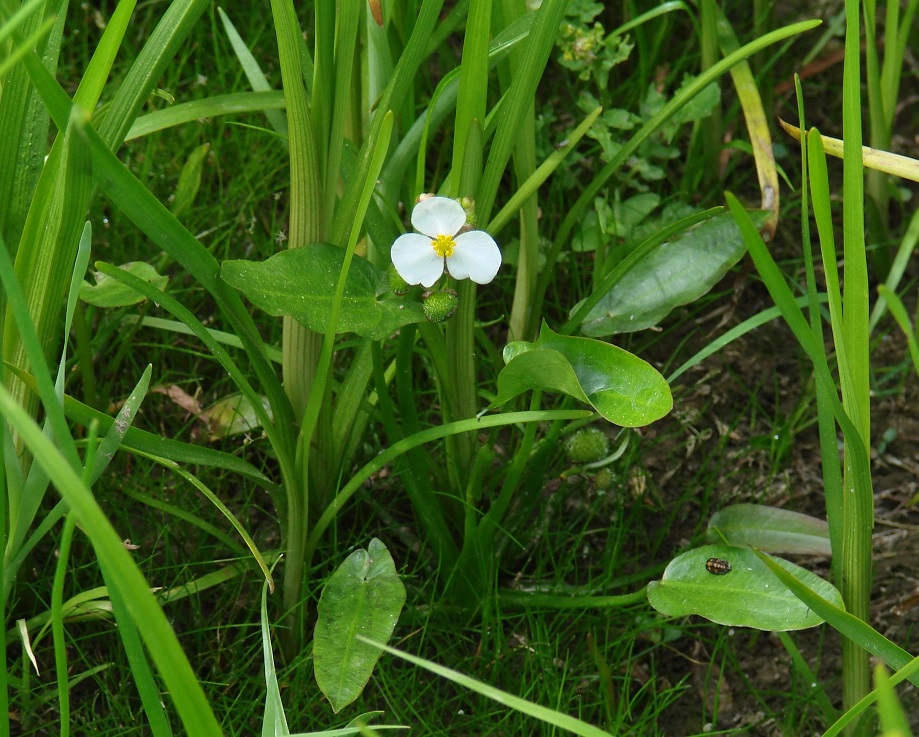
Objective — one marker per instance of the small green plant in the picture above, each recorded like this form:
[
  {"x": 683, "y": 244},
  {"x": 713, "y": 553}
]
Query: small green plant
[{"x": 443, "y": 282}]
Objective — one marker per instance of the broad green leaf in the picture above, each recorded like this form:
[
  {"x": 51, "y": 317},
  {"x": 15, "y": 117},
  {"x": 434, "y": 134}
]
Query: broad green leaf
[
  {"x": 749, "y": 595},
  {"x": 770, "y": 529},
  {"x": 190, "y": 179},
  {"x": 675, "y": 273},
  {"x": 301, "y": 282},
  {"x": 623, "y": 388},
  {"x": 108, "y": 292},
  {"x": 363, "y": 597}
]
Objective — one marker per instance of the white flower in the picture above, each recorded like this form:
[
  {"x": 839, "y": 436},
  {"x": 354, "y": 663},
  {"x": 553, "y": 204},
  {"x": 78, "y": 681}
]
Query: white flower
[{"x": 420, "y": 259}]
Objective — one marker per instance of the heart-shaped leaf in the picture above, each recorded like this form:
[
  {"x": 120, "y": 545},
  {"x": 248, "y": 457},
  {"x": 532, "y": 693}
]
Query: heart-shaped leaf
[
  {"x": 301, "y": 282},
  {"x": 731, "y": 586},
  {"x": 623, "y": 388},
  {"x": 363, "y": 597}
]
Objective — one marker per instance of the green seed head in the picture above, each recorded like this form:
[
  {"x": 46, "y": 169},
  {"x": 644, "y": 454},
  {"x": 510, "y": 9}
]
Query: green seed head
[
  {"x": 440, "y": 306},
  {"x": 603, "y": 480},
  {"x": 587, "y": 446}
]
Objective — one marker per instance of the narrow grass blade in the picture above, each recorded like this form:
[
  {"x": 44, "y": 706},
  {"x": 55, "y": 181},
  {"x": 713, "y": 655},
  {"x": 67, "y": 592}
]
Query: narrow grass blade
[
  {"x": 164, "y": 647},
  {"x": 426, "y": 436},
  {"x": 47, "y": 250},
  {"x": 158, "y": 52},
  {"x": 519, "y": 99},
  {"x": 527, "y": 188},
  {"x": 141, "y": 671},
  {"x": 898, "y": 268},
  {"x": 738, "y": 331},
  {"x": 901, "y": 166},
  {"x": 253, "y": 72},
  {"x": 757, "y": 124},
  {"x": 180, "y": 328},
  {"x": 209, "y": 107},
  {"x": 807, "y": 675},
  {"x": 549, "y": 716},
  {"x": 403, "y": 77},
  {"x": 169, "y": 303},
  {"x": 274, "y": 722},
  {"x": 473, "y": 89},
  {"x": 414, "y": 141},
  {"x": 179, "y": 513},
  {"x": 57, "y": 623},
  {"x": 27, "y": 44},
  {"x": 782, "y": 296},
  {"x": 225, "y": 511},
  {"x": 898, "y": 310},
  {"x": 893, "y": 718},
  {"x": 848, "y": 625}
]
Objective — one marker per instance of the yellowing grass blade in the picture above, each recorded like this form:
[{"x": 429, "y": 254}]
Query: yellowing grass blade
[{"x": 901, "y": 166}]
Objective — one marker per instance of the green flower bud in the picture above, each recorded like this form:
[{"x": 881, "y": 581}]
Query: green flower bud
[
  {"x": 587, "y": 446},
  {"x": 440, "y": 306},
  {"x": 469, "y": 206},
  {"x": 397, "y": 284}
]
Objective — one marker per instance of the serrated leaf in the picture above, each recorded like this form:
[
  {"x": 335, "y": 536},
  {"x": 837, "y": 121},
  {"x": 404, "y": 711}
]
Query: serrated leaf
[
  {"x": 363, "y": 597},
  {"x": 749, "y": 595},
  {"x": 675, "y": 273},
  {"x": 770, "y": 529},
  {"x": 623, "y": 388},
  {"x": 108, "y": 292},
  {"x": 301, "y": 282}
]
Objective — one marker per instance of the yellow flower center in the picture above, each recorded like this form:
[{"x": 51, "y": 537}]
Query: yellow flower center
[{"x": 444, "y": 245}]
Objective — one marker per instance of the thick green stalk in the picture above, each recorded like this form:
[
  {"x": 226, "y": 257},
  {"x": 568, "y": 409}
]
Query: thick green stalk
[
  {"x": 301, "y": 346},
  {"x": 857, "y": 499},
  {"x": 524, "y": 158},
  {"x": 467, "y": 171},
  {"x": 24, "y": 125}
]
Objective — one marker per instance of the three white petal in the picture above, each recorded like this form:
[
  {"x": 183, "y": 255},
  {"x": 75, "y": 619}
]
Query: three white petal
[{"x": 475, "y": 254}]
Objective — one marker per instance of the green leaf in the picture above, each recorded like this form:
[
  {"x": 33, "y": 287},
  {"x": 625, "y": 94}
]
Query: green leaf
[
  {"x": 675, "y": 273},
  {"x": 274, "y": 723},
  {"x": 109, "y": 292},
  {"x": 770, "y": 529},
  {"x": 363, "y": 597},
  {"x": 194, "y": 111},
  {"x": 190, "y": 179},
  {"x": 232, "y": 415},
  {"x": 623, "y": 388},
  {"x": 749, "y": 595},
  {"x": 252, "y": 70},
  {"x": 301, "y": 282},
  {"x": 542, "y": 713}
]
